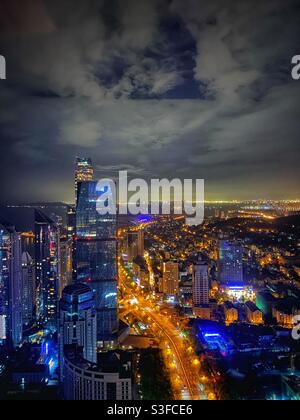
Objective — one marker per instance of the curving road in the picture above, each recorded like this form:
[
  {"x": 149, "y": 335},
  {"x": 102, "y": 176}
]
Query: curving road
[{"x": 187, "y": 373}]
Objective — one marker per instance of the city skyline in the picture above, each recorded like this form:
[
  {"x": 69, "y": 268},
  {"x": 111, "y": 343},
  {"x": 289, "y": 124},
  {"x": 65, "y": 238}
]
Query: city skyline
[
  {"x": 150, "y": 202},
  {"x": 201, "y": 91}
]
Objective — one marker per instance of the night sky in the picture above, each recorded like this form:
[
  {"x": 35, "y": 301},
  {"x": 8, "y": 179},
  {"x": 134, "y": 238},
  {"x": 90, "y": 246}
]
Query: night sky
[{"x": 188, "y": 89}]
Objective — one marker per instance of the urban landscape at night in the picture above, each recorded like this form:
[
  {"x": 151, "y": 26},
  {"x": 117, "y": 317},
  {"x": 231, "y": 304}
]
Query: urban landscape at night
[
  {"x": 147, "y": 307},
  {"x": 149, "y": 203}
]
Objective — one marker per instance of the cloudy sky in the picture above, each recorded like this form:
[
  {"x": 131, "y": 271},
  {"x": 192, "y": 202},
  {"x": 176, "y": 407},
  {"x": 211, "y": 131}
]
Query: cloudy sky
[{"x": 162, "y": 88}]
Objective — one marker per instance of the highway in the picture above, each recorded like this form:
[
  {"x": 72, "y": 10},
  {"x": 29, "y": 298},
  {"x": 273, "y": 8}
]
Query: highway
[{"x": 186, "y": 362}]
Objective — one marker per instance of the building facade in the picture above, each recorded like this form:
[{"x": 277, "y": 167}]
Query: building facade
[
  {"x": 40, "y": 238},
  {"x": 47, "y": 269},
  {"x": 96, "y": 260},
  {"x": 135, "y": 245},
  {"x": 231, "y": 313},
  {"x": 28, "y": 288},
  {"x": 65, "y": 264},
  {"x": 109, "y": 380},
  {"x": 10, "y": 286},
  {"x": 170, "y": 279},
  {"x": 200, "y": 284},
  {"x": 230, "y": 263},
  {"x": 78, "y": 322},
  {"x": 84, "y": 172},
  {"x": 254, "y": 315}
]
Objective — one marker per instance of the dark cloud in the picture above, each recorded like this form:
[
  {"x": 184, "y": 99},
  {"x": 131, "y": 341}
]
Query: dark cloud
[
  {"x": 20, "y": 19},
  {"x": 161, "y": 88}
]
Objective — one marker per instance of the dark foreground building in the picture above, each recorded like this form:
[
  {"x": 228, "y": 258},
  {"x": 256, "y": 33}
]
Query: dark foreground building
[{"x": 109, "y": 379}]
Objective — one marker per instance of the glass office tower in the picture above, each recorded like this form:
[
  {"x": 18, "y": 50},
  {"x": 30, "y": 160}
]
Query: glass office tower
[
  {"x": 230, "y": 263},
  {"x": 96, "y": 258}
]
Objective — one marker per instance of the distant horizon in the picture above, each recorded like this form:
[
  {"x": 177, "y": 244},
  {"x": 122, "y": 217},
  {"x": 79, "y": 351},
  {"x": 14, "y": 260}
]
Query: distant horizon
[{"x": 233, "y": 201}]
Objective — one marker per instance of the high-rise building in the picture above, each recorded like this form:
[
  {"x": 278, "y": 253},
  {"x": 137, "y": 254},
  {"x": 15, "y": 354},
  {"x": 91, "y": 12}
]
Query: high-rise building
[
  {"x": 230, "y": 263},
  {"x": 141, "y": 272},
  {"x": 200, "y": 284},
  {"x": 2, "y": 327},
  {"x": 41, "y": 239},
  {"x": 46, "y": 255},
  {"x": 71, "y": 231},
  {"x": 84, "y": 172},
  {"x": 71, "y": 222},
  {"x": 96, "y": 258},
  {"x": 65, "y": 263},
  {"x": 28, "y": 288},
  {"x": 78, "y": 322},
  {"x": 135, "y": 245},
  {"x": 10, "y": 286},
  {"x": 170, "y": 281}
]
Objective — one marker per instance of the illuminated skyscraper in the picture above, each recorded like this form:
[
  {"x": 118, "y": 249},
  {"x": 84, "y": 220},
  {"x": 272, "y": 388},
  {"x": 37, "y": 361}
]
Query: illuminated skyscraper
[
  {"x": 46, "y": 255},
  {"x": 28, "y": 288},
  {"x": 71, "y": 222},
  {"x": 230, "y": 263},
  {"x": 84, "y": 172},
  {"x": 65, "y": 263},
  {"x": 43, "y": 248},
  {"x": 10, "y": 286},
  {"x": 96, "y": 257},
  {"x": 200, "y": 284},
  {"x": 170, "y": 278},
  {"x": 77, "y": 321}
]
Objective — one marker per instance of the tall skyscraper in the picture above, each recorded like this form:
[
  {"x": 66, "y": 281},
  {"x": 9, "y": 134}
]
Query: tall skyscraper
[
  {"x": 28, "y": 288},
  {"x": 230, "y": 263},
  {"x": 65, "y": 263},
  {"x": 84, "y": 172},
  {"x": 170, "y": 285},
  {"x": 200, "y": 284},
  {"x": 96, "y": 257},
  {"x": 78, "y": 322},
  {"x": 46, "y": 255},
  {"x": 41, "y": 239},
  {"x": 135, "y": 245},
  {"x": 10, "y": 286}
]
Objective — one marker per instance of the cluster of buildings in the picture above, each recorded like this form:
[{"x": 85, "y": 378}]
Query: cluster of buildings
[
  {"x": 61, "y": 282},
  {"x": 196, "y": 287},
  {"x": 59, "y": 315},
  {"x": 280, "y": 303},
  {"x": 29, "y": 270}
]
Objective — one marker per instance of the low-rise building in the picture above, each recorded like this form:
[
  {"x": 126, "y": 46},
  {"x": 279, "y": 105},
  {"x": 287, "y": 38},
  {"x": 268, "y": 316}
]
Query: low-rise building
[
  {"x": 109, "y": 379},
  {"x": 254, "y": 315},
  {"x": 231, "y": 313},
  {"x": 202, "y": 312}
]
